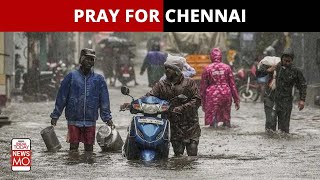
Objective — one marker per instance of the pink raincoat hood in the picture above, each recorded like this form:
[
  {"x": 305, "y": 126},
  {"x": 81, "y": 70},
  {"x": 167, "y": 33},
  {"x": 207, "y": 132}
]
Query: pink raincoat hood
[{"x": 216, "y": 55}]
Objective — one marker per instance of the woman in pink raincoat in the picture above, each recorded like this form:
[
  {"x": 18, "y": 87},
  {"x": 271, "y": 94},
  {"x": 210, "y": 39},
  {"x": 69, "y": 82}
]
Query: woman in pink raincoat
[{"x": 217, "y": 87}]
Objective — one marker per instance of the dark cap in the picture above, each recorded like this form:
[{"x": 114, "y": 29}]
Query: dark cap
[
  {"x": 88, "y": 52},
  {"x": 288, "y": 52}
]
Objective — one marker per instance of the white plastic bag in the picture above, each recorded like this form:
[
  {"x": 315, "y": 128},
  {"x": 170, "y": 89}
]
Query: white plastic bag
[{"x": 269, "y": 61}]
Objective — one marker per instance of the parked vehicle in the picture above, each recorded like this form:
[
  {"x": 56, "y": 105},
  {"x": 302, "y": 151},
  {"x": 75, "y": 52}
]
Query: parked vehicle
[
  {"x": 59, "y": 70},
  {"x": 43, "y": 85},
  {"x": 248, "y": 87},
  {"x": 117, "y": 58},
  {"x": 148, "y": 134},
  {"x": 124, "y": 73}
]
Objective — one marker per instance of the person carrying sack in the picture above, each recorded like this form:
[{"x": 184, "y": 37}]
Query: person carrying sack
[{"x": 278, "y": 95}]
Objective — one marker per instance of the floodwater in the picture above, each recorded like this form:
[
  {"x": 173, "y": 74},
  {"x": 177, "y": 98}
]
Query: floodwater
[{"x": 244, "y": 151}]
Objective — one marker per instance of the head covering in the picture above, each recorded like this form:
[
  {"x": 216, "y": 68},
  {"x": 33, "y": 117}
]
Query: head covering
[
  {"x": 155, "y": 46},
  {"x": 216, "y": 55},
  {"x": 288, "y": 52},
  {"x": 174, "y": 62},
  {"x": 88, "y": 52}
]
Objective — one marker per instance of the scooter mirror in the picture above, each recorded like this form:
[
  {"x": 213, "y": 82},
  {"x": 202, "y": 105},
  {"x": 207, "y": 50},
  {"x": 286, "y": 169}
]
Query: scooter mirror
[{"x": 125, "y": 90}]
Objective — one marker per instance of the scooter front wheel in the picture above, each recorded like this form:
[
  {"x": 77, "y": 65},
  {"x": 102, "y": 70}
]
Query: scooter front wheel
[{"x": 131, "y": 151}]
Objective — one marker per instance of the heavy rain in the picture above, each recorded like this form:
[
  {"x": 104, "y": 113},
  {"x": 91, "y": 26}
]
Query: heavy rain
[{"x": 32, "y": 66}]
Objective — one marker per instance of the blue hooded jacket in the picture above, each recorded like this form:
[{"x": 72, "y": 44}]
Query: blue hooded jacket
[{"x": 82, "y": 96}]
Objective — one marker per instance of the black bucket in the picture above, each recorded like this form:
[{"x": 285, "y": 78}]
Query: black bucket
[
  {"x": 109, "y": 139},
  {"x": 50, "y": 139}
]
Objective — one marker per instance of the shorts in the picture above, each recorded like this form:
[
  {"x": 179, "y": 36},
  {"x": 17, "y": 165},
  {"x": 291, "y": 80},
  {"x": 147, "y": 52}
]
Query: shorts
[{"x": 86, "y": 135}]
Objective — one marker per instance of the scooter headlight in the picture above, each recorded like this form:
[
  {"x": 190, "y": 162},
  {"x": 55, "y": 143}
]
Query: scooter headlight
[
  {"x": 150, "y": 108},
  {"x": 136, "y": 106}
]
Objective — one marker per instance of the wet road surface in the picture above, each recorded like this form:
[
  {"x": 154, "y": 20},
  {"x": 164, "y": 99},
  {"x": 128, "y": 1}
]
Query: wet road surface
[{"x": 244, "y": 151}]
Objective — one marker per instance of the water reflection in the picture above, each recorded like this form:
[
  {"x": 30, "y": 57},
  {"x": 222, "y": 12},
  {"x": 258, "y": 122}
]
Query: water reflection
[
  {"x": 77, "y": 158},
  {"x": 281, "y": 135},
  {"x": 174, "y": 163},
  {"x": 181, "y": 163}
]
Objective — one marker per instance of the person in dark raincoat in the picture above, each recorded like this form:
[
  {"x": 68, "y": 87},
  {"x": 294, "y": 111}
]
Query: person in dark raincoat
[
  {"x": 106, "y": 62},
  {"x": 82, "y": 93},
  {"x": 154, "y": 63},
  {"x": 185, "y": 128},
  {"x": 278, "y": 99}
]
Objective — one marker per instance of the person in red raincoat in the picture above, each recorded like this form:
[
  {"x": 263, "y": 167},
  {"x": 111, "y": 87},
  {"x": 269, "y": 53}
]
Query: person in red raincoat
[{"x": 217, "y": 87}]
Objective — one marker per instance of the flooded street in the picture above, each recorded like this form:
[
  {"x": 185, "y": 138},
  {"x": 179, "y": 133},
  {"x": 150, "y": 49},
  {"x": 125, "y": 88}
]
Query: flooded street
[{"x": 241, "y": 152}]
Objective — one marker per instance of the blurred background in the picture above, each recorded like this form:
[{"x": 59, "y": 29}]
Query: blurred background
[{"x": 42, "y": 58}]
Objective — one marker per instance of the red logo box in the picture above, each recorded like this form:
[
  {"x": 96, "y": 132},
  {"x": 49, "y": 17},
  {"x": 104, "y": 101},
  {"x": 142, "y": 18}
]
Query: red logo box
[{"x": 21, "y": 154}]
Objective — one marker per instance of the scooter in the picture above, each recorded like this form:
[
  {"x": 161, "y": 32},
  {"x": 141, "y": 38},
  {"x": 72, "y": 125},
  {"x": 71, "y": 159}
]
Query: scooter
[
  {"x": 125, "y": 73},
  {"x": 148, "y": 134},
  {"x": 124, "y": 68},
  {"x": 39, "y": 86},
  {"x": 248, "y": 87}
]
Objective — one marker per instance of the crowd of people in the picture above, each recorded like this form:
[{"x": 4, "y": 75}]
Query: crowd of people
[{"x": 84, "y": 95}]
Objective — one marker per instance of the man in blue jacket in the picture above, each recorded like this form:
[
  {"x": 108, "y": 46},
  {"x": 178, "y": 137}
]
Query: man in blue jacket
[{"x": 82, "y": 93}]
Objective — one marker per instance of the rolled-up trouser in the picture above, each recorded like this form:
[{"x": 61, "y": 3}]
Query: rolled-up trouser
[{"x": 190, "y": 145}]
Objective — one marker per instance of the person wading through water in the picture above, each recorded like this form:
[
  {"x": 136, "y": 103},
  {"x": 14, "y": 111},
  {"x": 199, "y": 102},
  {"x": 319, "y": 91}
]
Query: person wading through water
[{"x": 83, "y": 93}]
